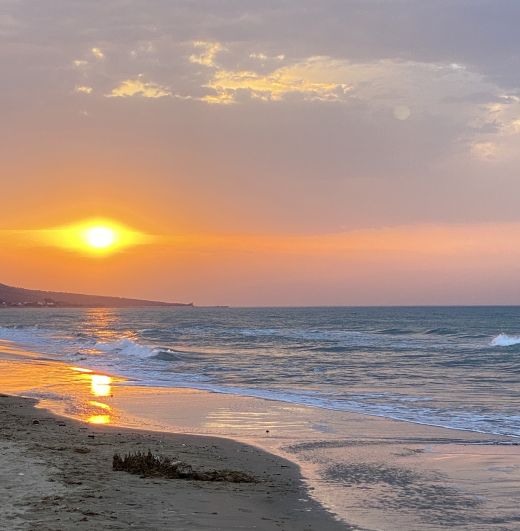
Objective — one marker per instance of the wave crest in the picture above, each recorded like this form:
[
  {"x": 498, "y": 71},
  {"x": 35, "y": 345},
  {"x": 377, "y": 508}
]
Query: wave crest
[
  {"x": 503, "y": 340},
  {"x": 125, "y": 346}
]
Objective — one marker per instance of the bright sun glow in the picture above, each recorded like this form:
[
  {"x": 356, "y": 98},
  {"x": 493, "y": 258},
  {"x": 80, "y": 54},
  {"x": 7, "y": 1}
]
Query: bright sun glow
[
  {"x": 100, "y": 237},
  {"x": 97, "y": 237}
]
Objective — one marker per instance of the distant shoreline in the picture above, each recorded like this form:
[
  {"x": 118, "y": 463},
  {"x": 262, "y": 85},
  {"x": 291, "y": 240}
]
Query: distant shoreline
[
  {"x": 13, "y": 297},
  {"x": 46, "y": 307}
]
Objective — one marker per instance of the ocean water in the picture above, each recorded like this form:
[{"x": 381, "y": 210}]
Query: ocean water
[{"x": 456, "y": 367}]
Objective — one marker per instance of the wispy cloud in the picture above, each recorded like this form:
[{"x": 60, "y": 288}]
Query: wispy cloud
[
  {"x": 264, "y": 57},
  {"x": 497, "y": 126},
  {"x": 312, "y": 79},
  {"x": 208, "y": 53},
  {"x": 80, "y": 63},
  {"x": 83, "y": 89},
  {"x": 140, "y": 88},
  {"x": 97, "y": 53},
  {"x": 484, "y": 150},
  {"x": 401, "y": 87}
]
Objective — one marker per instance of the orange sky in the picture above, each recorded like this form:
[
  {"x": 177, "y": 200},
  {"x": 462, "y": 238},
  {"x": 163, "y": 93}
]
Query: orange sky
[
  {"x": 403, "y": 265},
  {"x": 278, "y": 154}
]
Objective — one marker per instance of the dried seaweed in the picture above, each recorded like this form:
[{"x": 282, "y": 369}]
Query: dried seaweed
[{"x": 150, "y": 465}]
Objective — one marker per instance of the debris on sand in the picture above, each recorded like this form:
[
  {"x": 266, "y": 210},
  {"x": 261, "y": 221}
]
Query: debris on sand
[{"x": 150, "y": 465}]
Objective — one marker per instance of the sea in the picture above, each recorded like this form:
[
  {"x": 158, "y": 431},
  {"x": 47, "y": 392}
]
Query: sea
[{"x": 453, "y": 367}]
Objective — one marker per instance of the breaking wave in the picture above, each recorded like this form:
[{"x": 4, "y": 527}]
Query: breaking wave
[
  {"x": 503, "y": 340},
  {"x": 125, "y": 347}
]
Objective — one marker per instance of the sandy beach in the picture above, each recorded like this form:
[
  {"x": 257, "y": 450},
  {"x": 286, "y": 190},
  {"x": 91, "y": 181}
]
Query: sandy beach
[{"x": 57, "y": 475}]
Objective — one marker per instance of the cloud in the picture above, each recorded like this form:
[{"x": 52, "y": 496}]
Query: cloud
[
  {"x": 312, "y": 79},
  {"x": 398, "y": 86},
  {"x": 80, "y": 63},
  {"x": 484, "y": 150},
  {"x": 83, "y": 89},
  {"x": 497, "y": 127},
  {"x": 220, "y": 98},
  {"x": 143, "y": 48},
  {"x": 97, "y": 53},
  {"x": 140, "y": 88},
  {"x": 264, "y": 57},
  {"x": 209, "y": 51}
]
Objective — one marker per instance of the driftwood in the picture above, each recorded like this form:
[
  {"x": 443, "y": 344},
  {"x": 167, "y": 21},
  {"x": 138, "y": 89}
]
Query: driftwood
[{"x": 150, "y": 465}]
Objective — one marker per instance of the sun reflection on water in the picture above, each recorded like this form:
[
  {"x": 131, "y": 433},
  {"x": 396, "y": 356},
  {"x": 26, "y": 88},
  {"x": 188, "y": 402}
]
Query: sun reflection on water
[
  {"x": 99, "y": 419},
  {"x": 100, "y": 405},
  {"x": 81, "y": 370},
  {"x": 100, "y": 386}
]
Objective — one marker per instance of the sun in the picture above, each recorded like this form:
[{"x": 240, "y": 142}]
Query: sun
[
  {"x": 97, "y": 237},
  {"x": 100, "y": 237}
]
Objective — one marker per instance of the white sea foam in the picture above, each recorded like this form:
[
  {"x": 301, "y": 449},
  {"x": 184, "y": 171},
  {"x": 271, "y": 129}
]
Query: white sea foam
[
  {"x": 503, "y": 340},
  {"x": 39, "y": 339},
  {"x": 21, "y": 334},
  {"x": 125, "y": 347},
  {"x": 53, "y": 342}
]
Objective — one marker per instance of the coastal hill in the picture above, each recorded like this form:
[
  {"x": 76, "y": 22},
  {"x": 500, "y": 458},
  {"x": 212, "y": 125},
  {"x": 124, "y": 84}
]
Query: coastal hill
[{"x": 20, "y": 297}]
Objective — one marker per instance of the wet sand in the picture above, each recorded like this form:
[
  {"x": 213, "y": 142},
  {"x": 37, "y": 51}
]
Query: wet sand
[{"x": 56, "y": 474}]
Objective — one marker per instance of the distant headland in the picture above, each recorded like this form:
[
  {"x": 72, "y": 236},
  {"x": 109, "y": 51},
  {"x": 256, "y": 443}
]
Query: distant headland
[{"x": 28, "y": 298}]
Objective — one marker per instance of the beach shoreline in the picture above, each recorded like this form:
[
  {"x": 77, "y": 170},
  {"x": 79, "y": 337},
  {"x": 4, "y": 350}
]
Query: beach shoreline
[
  {"x": 57, "y": 474},
  {"x": 338, "y": 470}
]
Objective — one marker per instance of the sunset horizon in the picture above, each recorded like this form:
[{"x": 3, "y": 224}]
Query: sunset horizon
[
  {"x": 267, "y": 169},
  {"x": 259, "y": 265},
  {"x": 413, "y": 271}
]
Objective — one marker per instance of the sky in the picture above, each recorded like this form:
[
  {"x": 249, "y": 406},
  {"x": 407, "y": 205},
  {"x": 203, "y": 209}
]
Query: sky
[{"x": 288, "y": 152}]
